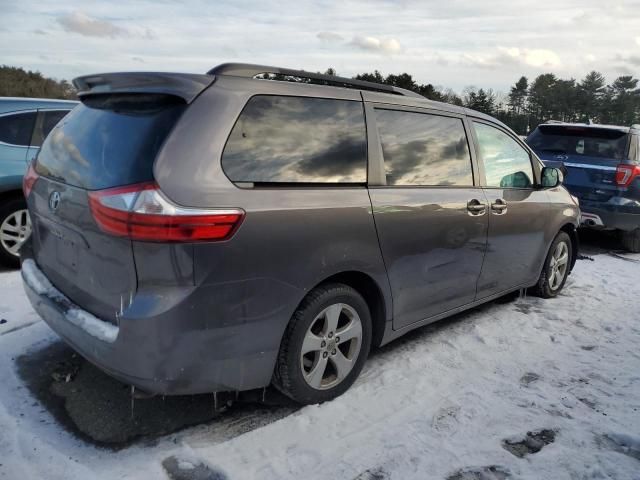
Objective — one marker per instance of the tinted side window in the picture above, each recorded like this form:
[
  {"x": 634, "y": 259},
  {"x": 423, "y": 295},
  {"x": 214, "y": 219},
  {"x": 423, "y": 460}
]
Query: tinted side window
[
  {"x": 49, "y": 119},
  {"x": 16, "y": 128},
  {"x": 281, "y": 139},
  {"x": 423, "y": 149},
  {"x": 506, "y": 163}
]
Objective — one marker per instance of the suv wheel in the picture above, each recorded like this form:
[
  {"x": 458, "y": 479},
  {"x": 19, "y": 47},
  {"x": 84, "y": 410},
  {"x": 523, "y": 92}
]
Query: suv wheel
[
  {"x": 631, "y": 240},
  {"x": 556, "y": 267},
  {"x": 325, "y": 345},
  {"x": 15, "y": 229}
]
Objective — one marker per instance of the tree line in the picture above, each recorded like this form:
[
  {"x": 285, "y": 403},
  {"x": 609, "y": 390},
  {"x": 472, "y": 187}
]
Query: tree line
[
  {"x": 547, "y": 97},
  {"x": 527, "y": 104},
  {"x": 18, "y": 82}
]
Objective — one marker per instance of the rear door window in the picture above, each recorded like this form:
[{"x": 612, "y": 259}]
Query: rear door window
[
  {"x": 506, "y": 163},
  {"x": 282, "y": 139},
  {"x": 16, "y": 128},
  {"x": 424, "y": 149},
  {"x": 109, "y": 140}
]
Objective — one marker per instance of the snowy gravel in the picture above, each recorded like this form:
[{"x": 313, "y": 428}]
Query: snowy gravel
[{"x": 556, "y": 381}]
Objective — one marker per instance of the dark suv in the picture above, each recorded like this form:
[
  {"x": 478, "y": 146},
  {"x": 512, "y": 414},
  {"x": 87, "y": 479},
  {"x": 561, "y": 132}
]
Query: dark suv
[
  {"x": 256, "y": 225},
  {"x": 603, "y": 170}
]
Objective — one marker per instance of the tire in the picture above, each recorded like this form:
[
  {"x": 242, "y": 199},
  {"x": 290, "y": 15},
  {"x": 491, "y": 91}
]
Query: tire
[
  {"x": 631, "y": 240},
  {"x": 13, "y": 230},
  {"x": 547, "y": 286},
  {"x": 296, "y": 375}
]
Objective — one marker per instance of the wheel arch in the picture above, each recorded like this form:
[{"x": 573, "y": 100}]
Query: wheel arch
[
  {"x": 570, "y": 229},
  {"x": 366, "y": 286}
]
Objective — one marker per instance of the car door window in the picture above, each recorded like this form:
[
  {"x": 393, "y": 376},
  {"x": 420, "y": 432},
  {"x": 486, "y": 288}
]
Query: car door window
[
  {"x": 424, "y": 149},
  {"x": 48, "y": 120},
  {"x": 506, "y": 163},
  {"x": 16, "y": 128}
]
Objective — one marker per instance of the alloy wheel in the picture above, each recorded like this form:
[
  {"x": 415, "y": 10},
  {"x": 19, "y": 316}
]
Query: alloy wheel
[
  {"x": 14, "y": 231},
  {"x": 558, "y": 265},
  {"x": 331, "y": 346}
]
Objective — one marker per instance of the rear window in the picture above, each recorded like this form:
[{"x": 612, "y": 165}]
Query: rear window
[
  {"x": 109, "y": 140},
  {"x": 279, "y": 139},
  {"x": 16, "y": 128},
  {"x": 581, "y": 141}
]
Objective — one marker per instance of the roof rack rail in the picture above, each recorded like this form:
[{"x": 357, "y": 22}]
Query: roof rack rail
[
  {"x": 554, "y": 121},
  {"x": 251, "y": 71}
]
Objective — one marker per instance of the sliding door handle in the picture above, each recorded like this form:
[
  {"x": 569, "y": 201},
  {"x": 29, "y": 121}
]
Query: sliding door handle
[
  {"x": 499, "y": 207},
  {"x": 476, "y": 208}
]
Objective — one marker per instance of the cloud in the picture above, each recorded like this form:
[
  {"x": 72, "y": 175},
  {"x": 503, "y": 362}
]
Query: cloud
[
  {"x": 329, "y": 36},
  {"x": 638, "y": 40},
  {"x": 384, "y": 45},
  {"x": 78, "y": 22},
  {"x": 536, "y": 57},
  {"x": 39, "y": 31}
]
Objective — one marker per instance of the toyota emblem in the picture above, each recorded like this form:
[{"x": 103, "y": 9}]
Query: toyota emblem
[{"x": 54, "y": 201}]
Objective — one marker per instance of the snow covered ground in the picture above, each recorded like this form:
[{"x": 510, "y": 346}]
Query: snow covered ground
[{"x": 452, "y": 401}]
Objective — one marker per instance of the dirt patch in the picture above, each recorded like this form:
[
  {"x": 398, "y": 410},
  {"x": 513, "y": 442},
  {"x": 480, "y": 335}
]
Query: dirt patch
[
  {"x": 529, "y": 377},
  {"x": 373, "y": 474},
  {"x": 102, "y": 411},
  {"x": 532, "y": 443},
  {"x": 180, "y": 469},
  {"x": 492, "y": 472}
]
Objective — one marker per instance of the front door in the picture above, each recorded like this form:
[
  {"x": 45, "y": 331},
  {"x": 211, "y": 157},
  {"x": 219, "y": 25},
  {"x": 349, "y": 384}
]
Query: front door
[
  {"x": 431, "y": 219},
  {"x": 517, "y": 208}
]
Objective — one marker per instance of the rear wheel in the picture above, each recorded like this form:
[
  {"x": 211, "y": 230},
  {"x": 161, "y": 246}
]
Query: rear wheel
[
  {"x": 325, "y": 345},
  {"x": 556, "y": 267},
  {"x": 631, "y": 240},
  {"x": 15, "y": 229}
]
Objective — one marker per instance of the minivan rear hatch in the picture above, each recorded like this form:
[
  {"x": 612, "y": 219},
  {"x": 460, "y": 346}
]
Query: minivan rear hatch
[
  {"x": 110, "y": 140},
  {"x": 590, "y": 154}
]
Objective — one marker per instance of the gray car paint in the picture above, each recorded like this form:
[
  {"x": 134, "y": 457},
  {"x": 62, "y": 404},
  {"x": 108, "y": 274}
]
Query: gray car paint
[{"x": 209, "y": 317}]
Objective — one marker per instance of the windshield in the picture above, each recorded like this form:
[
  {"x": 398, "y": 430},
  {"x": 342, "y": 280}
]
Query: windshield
[{"x": 581, "y": 141}]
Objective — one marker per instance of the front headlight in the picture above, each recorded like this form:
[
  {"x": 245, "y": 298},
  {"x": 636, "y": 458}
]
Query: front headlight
[{"x": 576, "y": 200}]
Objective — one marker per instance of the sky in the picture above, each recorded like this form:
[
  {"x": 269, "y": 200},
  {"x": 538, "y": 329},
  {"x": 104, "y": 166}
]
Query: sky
[{"x": 449, "y": 43}]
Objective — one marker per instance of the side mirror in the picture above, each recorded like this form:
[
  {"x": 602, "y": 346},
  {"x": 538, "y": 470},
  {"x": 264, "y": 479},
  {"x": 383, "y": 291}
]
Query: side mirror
[{"x": 551, "y": 177}]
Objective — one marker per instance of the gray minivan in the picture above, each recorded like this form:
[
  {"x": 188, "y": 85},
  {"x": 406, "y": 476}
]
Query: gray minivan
[{"x": 258, "y": 225}]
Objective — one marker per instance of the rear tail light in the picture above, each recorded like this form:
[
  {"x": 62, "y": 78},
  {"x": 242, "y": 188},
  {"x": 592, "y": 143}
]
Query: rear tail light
[
  {"x": 625, "y": 174},
  {"x": 142, "y": 212},
  {"x": 29, "y": 180}
]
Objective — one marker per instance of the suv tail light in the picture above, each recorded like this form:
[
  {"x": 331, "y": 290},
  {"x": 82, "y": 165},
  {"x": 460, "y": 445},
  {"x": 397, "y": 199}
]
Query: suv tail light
[
  {"x": 625, "y": 174},
  {"x": 29, "y": 180},
  {"x": 142, "y": 212}
]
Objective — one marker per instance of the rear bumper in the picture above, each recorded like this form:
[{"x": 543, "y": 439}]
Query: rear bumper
[
  {"x": 609, "y": 216},
  {"x": 158, "y": 349}
]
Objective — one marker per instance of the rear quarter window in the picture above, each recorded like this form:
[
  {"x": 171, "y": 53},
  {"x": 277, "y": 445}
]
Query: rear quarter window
[
  {"x": 16, "y": 128},
  {"x": 281, "y": 139}
]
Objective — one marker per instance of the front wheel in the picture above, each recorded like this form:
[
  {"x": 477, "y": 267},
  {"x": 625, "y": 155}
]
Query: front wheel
[
  {"x": 325, "y": 345},
  {"x": 15, "y": 229},
  {"x": 556, "y": 267}
]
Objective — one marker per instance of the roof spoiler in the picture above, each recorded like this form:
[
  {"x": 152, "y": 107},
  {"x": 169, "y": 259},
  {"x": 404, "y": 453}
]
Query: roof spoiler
[{"x": 184, "y": 85}]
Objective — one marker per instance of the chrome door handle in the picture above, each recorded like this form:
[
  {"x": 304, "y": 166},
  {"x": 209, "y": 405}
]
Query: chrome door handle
[
  {"x": 499, "y": 207},
  {"x": 476, "y": 208}
]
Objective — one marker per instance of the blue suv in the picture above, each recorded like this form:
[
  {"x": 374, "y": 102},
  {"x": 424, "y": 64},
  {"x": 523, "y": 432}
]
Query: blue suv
[
  {"x": 602, "y": 165},
  {"x": 24, "y": 124}
]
